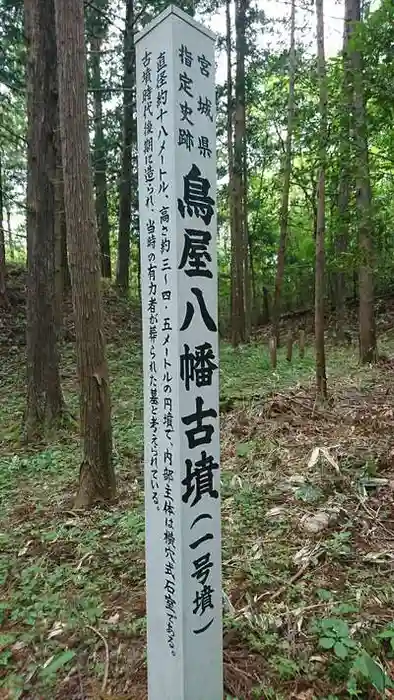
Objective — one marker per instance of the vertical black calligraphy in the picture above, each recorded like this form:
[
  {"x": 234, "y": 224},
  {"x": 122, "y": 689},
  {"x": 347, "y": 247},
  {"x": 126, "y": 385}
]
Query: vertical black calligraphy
[
  {"x": 149, "y": 235},
  {"x": 166, "y": 332},
  {"x": 198, "y": 364}
]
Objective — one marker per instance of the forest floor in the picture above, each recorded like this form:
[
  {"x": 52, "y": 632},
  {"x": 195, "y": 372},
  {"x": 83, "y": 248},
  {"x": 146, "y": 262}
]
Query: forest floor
[{"x": 308, "y": 534}]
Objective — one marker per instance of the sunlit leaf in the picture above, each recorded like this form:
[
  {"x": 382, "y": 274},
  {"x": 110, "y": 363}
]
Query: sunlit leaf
[
  {"x": 326, "y": 642},
  {"x": 340, "y": 650},
  {"x": 58, "y": 662}
]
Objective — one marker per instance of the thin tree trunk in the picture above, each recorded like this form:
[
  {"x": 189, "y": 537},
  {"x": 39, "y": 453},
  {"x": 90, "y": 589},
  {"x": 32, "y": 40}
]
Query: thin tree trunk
[
  {"x": 272, "y": 349},
  {"x": 97, "y": 477},
  {"x": 230, "y": 156},
  {"x": 61, "y": 262},
  {"x": 284, "y": 210},
  {"x": 321, "y": 381},
  {"x": 266, "y": 307},
  {"x": 10, "y": 238},
  {"x": 246, "y": 244},
  {"x": 301, "y": 344},
  {"x": 100, "y": 161},
  {"x": 253, "y": 291},
  {"x": 238, "y": 274},
  {"x": 63, "y": 280},
  {"x": 3, "y": 292},
  {"x": 251, "y": 239},
  {"x": 342, "y": 238},
  {"x": 364, "y": 201},
  {"x": 125, "y": 184},
  {"x": 44, "y": 395}
]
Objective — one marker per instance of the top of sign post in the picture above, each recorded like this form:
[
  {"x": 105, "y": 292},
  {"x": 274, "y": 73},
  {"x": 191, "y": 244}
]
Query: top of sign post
[{"x": 173, "y": 10}]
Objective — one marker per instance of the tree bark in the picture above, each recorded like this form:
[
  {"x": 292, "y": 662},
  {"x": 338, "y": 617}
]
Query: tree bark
[
  {"x": 97, "y": 477},
  {"x": 230, "y": 156},
  {"x": 252, "y": 287},
  {"x": 257, "y": 315},
  {"x": 125, "y": 184},
  {"x": 59, "y": 203},
  {"x": 100, "y": 161},
  {"x": 266, "y": 306},
  {"x": 321, "y": 381},
  {"x": 284, "y": 210},
  {"x": 62, "y": 270},
  {"x": 363, "y": 199},
  {"x": 301, "y": 344},
  {"x": 3, "y": 292},
  {"x": 44, "y": 395},
  {"x": 247, "y": 250},
  {"x": 290, "y": 341},
  {"x": 239, "y": 331},
  {"x": 10, "y": 238},
  {"x": 272, "y": 349},
  {"x": 342, "y": 238}
]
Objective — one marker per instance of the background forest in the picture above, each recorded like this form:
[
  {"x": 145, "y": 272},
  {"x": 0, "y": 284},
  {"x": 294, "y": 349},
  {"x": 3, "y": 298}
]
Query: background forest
[
  {"x": 305, "y": 137},
  {"x": 267, "y": 68}
]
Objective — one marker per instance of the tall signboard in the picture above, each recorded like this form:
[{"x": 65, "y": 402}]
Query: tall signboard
[{"x": 175, "y": 67}]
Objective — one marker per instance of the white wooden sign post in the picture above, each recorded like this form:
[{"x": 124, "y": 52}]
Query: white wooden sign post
[{"x": 177, "y": 204}]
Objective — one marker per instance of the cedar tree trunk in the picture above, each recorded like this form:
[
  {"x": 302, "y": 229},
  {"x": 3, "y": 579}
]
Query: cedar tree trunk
[
  {"x": 363, "y": 199},
  {"x": 3, "y": 293},
  {"x": 239, "y": 248},
  {"x": 342, "y": 238},
  {"x": 97, "y": 477},
  {"x": 100, "y": 161},
  {"x": 284, "y": 209},
  {"x": 9, "y": 230},
  {"x": 44, "y": 395},
  {"x": 62, "y": 270},
  {"x": 321, "y": 382},
  {"x": 230, "y": 146}
]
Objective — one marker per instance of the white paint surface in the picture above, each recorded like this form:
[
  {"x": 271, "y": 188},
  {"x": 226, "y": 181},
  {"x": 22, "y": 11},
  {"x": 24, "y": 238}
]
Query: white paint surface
[{"x": 184, "y": 610}]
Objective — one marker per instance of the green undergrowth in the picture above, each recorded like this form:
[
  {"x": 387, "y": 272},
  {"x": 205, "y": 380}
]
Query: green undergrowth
[{"x": 304, "y": 613}]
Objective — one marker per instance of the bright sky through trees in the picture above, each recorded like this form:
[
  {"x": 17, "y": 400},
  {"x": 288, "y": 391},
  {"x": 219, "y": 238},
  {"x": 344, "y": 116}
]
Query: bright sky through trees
[{"x": 279, "y": 11}]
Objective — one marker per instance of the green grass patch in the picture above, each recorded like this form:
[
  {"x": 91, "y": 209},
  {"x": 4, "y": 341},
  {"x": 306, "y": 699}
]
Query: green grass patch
[{"x": 63, "y": 573}]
